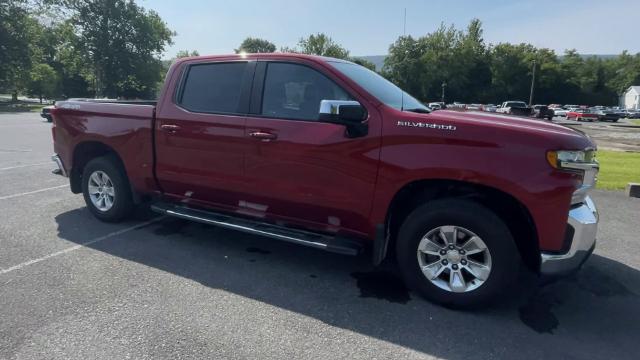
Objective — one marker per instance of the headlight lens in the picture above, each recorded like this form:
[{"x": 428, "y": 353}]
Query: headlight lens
[
  {"x": 582, "y": 162},
  {"x": 565, "y": 159}
]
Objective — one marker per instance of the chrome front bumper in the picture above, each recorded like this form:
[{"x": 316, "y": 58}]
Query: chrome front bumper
[
  {"x": 584, "y": 220},
  {"x": 60, "y": 170}
]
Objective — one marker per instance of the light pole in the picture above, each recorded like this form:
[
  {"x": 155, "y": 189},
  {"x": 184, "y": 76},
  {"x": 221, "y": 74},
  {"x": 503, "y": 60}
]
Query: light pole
[
  {"x": 444, "y": 85},
  {"x": 533, "y": 80}
]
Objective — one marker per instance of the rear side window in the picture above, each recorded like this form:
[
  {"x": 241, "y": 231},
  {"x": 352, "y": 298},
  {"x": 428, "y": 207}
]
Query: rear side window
[
  {"x": 213, "y": 88},
  {"x": 294, "y": 91}
]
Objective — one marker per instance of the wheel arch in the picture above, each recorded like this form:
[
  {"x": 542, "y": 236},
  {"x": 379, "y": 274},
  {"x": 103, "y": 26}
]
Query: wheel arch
[
  {"x": 86, "y": 151},
  {"x": 514, "y": 213}
]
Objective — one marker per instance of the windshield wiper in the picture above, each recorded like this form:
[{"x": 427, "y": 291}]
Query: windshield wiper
[{"x": 419, "y": 110}]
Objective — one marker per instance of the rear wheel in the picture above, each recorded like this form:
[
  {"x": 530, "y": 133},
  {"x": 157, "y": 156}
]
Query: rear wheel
[
  {"x": 106, "y": 189},
  {"x": 456, "y": 253}
]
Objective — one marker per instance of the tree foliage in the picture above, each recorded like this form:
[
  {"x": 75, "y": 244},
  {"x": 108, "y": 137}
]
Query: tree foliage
[
  {"x": 186, "y": 53},
  {"x": 255, "y": 45},
  {"x": 122, "y": 41},
  {"x": 18, "y": 33},
  {"x": 476, "y": 72},
  {"x": 319, "y": 44},
  {"x": 112, "y": 48},
  {"x": 43, "y": 82}
]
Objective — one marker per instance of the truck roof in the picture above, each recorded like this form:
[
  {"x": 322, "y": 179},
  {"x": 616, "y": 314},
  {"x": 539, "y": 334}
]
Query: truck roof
[{"x": 254, "y": 56}]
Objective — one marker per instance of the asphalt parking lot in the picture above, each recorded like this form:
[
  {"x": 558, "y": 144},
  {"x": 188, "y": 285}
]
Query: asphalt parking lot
[
  {"x": 72, "y": 287},
  {"x": 622, "y": 135}
]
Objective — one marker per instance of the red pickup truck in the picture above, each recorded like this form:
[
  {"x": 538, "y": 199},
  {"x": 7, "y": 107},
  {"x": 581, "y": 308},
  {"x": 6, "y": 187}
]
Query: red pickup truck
[{"x": 325, "y": 153}]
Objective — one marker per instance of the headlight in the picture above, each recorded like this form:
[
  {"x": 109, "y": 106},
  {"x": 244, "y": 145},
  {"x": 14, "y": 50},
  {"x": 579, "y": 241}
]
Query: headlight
[
  {"x": 582, "y": 162},
  {"x": 564, "y": 159}
]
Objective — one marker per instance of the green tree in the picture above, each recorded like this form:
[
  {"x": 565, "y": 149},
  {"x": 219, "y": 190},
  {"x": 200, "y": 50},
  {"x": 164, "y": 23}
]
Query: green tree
[
  {"x": 121, "y": 43},
  {"x": 76, "y": 78},
  {"x": 43, "y": 82},
  {"x": 186, "y": 53},
  {"x": 511, "y": 69},
  {"x": 622, "y": 72},
  {"x": 17, "y": 33},
  {"x": 321, "y": 44},
  {"x": 255, "y": 45}
]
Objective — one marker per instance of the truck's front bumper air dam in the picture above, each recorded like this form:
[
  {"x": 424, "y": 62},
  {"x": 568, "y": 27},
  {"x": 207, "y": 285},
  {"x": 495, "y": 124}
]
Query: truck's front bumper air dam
[
  {"x": 584, "y": 220},
  {"x": 60, "y": 170}
]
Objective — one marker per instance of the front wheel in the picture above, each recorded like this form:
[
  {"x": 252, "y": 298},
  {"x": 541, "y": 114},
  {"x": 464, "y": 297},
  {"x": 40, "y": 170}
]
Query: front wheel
[
  {"x": 106, "y": 189},
  {"x": 457, "y": 253}
]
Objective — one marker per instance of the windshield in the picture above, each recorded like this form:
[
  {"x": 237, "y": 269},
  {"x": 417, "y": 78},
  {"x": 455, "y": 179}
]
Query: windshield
[{"x": 381, "y": 88}]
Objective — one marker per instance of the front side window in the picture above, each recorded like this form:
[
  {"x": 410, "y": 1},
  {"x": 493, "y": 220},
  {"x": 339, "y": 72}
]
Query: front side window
[
  {"x": 294, "y": 91},
  {"x": 213, "y": 88}
]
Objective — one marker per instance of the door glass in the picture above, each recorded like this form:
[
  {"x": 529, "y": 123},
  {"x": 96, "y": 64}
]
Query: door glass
[
  {"x": 294, "y": 91},
  {"x": 213, "y": 88}
]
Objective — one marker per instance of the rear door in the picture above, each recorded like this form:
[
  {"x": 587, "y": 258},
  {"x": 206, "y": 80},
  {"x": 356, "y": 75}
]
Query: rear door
[
  {"x": 200, "y": 134},
  {"x": 301, "y": 170}
]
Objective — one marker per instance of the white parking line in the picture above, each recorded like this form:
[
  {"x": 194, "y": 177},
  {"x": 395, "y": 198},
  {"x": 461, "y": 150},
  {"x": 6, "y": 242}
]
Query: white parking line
[
  {"x": 24, "y": 166},
  {"x": 76, "y": 247},
  {"x": 31, "y": 192}
]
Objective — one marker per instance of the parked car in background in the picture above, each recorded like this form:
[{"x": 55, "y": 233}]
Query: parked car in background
[
  {"x": 457, "y": 105},
  {"x": 490, "y": 108},
  {"x": 474, "y": 107},
  {"x": 45, "y": 113},
  {"x": 633, "y": 114},
  {"x": 582, "y": 115},
  {"x": 559, "y": 112},
  {"x": 436, "y": 105},
  {"x": 621, "y": 112},
  {"x": 607, "y": 115},
  {"x": 542, "y": 112},
  {"x": 514, "y": 108}
]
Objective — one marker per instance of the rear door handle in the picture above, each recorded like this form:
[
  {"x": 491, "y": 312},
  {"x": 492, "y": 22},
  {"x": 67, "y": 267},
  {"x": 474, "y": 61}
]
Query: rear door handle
[
  {"x": 264, "y": 136},
  {"x": 170, "y": 127}
]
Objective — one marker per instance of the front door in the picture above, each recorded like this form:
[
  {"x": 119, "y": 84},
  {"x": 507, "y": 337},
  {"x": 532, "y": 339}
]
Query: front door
[
  {"x": 200, "y": 137},
  {"x": 301, "y": 170}
]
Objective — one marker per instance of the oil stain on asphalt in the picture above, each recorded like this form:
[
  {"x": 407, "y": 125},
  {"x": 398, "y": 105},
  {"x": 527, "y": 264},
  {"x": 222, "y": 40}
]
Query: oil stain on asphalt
[
  {"x": 382, "y": 285},
  {"x": 257, "y": 250},
  {"x": 537, "y": 314},
  {"x": 171, "y": 227}
]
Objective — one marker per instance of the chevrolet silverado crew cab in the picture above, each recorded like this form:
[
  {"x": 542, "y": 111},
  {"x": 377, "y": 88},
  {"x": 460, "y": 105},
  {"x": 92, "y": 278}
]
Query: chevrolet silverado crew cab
[{"x": 326, "y": 153}]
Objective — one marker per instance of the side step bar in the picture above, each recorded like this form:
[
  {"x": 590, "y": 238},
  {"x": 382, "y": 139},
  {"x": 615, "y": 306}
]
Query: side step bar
[{"x": 329, "y": 243}]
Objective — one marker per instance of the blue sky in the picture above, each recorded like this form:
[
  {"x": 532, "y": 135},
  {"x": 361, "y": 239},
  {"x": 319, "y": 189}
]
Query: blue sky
[{"x": 368, "y": 27}]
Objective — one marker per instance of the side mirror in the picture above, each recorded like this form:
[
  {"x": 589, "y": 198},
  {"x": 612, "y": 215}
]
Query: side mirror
[{"x": 345, "y": 112}]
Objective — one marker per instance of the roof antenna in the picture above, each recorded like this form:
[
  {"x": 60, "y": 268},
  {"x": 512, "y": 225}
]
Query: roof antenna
[{"x": 404, "y": 34}]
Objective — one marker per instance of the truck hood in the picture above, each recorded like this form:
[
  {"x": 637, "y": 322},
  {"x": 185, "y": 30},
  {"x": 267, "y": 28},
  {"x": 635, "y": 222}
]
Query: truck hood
[{"x": 552, "y": 135}]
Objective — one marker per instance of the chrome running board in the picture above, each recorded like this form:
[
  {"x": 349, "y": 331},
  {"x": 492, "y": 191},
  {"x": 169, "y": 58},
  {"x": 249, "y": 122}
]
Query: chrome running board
[{"x": 320, "y": 241}]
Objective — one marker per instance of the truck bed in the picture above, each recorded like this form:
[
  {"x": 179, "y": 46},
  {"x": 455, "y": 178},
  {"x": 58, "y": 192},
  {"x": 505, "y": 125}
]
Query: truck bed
[{"x": 79, "y": 124}]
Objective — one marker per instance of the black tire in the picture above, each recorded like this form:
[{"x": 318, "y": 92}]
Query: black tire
[
  {"x": 505, "y": 259},
  {"x": 123, "y": 200}
]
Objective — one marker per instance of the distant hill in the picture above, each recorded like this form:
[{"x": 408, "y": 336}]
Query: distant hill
[{"x": 378, "y": 60}]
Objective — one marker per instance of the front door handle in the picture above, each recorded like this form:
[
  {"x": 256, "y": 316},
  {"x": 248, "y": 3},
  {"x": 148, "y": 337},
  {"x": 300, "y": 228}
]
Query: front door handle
[
  {"x": 170, "y": 127},
  {"x": 264, "y": 136}
]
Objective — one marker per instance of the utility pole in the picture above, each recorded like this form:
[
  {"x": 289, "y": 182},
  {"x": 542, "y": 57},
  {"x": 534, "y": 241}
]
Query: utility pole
[
  {"x": 404, "y": 26},
  {"x": 444, "y": 85},
  {"x": 533, "y": 81}
]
